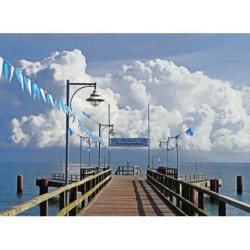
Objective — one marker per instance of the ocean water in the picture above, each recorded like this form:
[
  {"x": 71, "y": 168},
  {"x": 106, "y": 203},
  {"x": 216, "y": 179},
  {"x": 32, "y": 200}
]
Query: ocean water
[{"x": 31, "y": 171}]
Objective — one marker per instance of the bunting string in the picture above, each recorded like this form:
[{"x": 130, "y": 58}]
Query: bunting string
[{"x": 8, "y": 71}]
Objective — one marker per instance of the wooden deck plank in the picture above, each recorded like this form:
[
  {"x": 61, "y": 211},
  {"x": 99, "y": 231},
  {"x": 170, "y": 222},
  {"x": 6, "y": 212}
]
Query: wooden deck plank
[{"x": 128, "y": 196}]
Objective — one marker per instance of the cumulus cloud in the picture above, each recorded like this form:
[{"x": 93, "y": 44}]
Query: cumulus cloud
[{"x": 218, "y": 113}]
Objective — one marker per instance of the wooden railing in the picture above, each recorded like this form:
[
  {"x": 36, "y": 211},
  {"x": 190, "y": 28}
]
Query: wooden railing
[
  {"x": 193, "y": 177},
  {"x": 128, "y": 170},
  {"x": 60, "y": 176},
  {"x": 85, "y": 172},
  {"x": 88, "y": 188},
  {"x": 189, "y": 198}
]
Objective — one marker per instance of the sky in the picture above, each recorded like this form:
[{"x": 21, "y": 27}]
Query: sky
[
  {"x": 189, "y": 80},
  {"x": 188, "y": 59},
  {"x": 190, "y": 76}
]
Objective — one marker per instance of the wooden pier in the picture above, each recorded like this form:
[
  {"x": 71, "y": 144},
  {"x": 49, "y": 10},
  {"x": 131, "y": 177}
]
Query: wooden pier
[
  {"x": 129, "y": 196},
  {"x": 104, "y": 194}
]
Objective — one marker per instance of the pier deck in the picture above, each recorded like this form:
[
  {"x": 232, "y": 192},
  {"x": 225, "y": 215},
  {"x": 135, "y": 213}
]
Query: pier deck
[{"x": 128, "y": 196}]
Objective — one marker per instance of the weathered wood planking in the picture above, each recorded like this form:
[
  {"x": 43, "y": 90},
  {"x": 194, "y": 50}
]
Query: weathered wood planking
[{"x": 128, "y": 196}]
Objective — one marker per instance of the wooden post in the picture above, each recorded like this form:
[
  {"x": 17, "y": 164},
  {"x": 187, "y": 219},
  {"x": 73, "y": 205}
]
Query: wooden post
[
  {"x": 83, "y": 192},
  {"x": 73, "y": 197},
  {"x": 62, "y": 200},
  {"x": 193, "y": 199},
  {"x": 222, "y": 208},
  {"x": 214, "y": 185},
  {"x": 19, "y": 184},
  {"x": 44, "y": 186},
  {"x": 239, "y": 184},
  {"x": 200, "y": 200}
]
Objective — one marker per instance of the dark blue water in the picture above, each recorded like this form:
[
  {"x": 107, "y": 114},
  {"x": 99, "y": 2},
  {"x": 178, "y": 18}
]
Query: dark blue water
[{"x": 30, "y": 171}]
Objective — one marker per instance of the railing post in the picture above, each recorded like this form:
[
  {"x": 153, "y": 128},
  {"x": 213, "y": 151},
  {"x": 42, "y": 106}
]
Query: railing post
[
  {"x": 62, "y": 200},
  {"x": 222, "y": 208},
  {"x": 200, "y": 200},
  {"x": 83, "y": 192},
  {"x": 177, "y": 184},
  {"x": 193, "y": 199},
  {"x": 44, "y": 186},
  {"x": 73, "y": 197},
  {"x": 186, "y": 195},
  {"x": 170, "y": 186}
]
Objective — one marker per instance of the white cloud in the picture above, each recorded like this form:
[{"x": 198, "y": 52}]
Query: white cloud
[{"x": 178, "y": 98}]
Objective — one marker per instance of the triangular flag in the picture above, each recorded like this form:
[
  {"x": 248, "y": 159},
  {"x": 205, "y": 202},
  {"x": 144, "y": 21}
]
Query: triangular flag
[
  {"x": 67, "y": 109},
  {"x": 86, "y": 114},
  {"x": 6, "y": 70},
  {"x": 36, "y": 91},
  {"x": 27, "y": 83},
  {"x": 1, "y": 66},
  {"x": 19, "y": 77},
  {"x": 11, "y": 72},
  {"x": 51, "y": 99},
  {"x": 189, "y": 132},
  {"x": 48, "y": 99},
  {"x": 57, "y": 104},
  {"x": 71, "y": 131},
  {"x": 43, "y": 95}
]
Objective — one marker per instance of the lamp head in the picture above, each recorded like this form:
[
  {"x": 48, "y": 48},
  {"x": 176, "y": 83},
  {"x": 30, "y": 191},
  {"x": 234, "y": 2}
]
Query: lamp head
[
  {"x": 95, "y": 98},
  {"x": 112, "y": 132}
]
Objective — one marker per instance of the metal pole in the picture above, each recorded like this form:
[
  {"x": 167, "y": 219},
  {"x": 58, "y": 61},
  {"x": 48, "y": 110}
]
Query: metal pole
[
  {"x": 196, "y": 167},
  {"x": 61, "y": 164},
  {"x": 167, "y": 151},
  {"x": 99, "y": 147},
  {"x": 67, "y": 145},
  {"x": 109, "y": 151},
  {"x": 177, "y": 158},
  {"x": 89, "y": 152},
  {"x": 148, "y": 138},
  {"x": 80, "y": 152}
]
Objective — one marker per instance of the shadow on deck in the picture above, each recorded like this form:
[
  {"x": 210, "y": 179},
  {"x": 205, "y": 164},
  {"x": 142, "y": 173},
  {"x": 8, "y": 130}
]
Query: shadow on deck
[{"x": 128, "y": 196}]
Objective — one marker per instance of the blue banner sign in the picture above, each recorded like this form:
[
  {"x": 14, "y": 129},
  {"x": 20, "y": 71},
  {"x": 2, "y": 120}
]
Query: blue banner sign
[{"x": 129, "y": 142}]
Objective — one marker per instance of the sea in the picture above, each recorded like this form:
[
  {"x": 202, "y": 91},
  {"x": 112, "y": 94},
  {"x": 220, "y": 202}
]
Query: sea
[{"x": 31, "y": 171}]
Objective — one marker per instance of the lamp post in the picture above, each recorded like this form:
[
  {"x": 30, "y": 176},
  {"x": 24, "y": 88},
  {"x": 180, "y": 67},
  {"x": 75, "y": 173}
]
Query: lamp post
[
  {"x": 158, "y": 159},
  {"x": 111, "y": 132},
  {"x": 160, "y": 145},
  {"x": 60, "y": 158},
  {"x": 103, "y": 160},
  {"x": 177, "y": 150},
  {"x": 95, "y": 99},
  {"x": 82, "y": 138},
  {"x": 196, "y": 164}
]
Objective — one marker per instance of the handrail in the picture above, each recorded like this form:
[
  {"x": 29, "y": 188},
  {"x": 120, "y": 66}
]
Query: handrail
[
  {"x": 185, "y": 192},
  {"x": 89, "y": 187},
  {"x": 128, "y": 170}
]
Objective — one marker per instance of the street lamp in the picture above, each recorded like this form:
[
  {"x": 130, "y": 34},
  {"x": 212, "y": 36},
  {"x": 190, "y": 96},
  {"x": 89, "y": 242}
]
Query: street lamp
[
  {"x": 95, "y": 99},
  {"x": 196, "y": 164},
  {"x": 59, "y": 158},
  {"x": 177, "y": 150},
  {"x": 103, "y": 160},
  {"x": 111, "y": 132},
  {"x": 158, "y": 159},
  {"x": 82, "y": 138}
]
